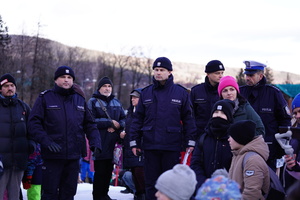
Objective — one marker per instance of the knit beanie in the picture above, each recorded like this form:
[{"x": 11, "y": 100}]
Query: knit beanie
[
  {"x": 213, "y": 66},
  {"x": 296, "y": 102},
  {"x": 226, "y": 106},
  {"x": 64, "y": 70},
  {"x": 104, "y": 80},
  {"x": 219, "y": 187},
  {"x": 7, "y": 78},
  {"x": 163, "y": 62},
  {"x": 178, "y": 183},
  {"x": 242, "y": 131},
  {"x": 227, "y": 81}
]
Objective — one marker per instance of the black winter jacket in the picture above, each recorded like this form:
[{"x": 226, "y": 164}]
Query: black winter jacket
[
  {"x": 116, "y": 112},
  {"x": 215, "y": 153},
  {"x": 129, "y": 159},
  {"x": 14, "y": 143}
]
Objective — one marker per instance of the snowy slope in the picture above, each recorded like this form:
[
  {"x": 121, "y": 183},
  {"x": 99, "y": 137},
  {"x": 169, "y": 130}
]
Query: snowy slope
[{"x": 84, "y": 192}]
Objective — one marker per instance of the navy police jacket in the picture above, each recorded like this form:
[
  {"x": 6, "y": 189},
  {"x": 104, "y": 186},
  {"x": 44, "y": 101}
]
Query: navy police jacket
[
  {"x": 164, "y": 116},
  {"x": 129, "y": 159},
  {"x": 203, "y": 97},
  {"x": 62, "y": 116},
  {"x": 271, "y": 106}
]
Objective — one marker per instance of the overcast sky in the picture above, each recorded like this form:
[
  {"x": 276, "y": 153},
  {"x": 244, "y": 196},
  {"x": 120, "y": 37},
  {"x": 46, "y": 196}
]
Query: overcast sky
[{"x": 194, "y": 31}]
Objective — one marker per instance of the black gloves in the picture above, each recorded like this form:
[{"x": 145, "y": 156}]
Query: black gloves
[
  {"x": 31, "y": 146},
  {"x": 96, "y": 152},
  {"x": 53, "y": 147}
]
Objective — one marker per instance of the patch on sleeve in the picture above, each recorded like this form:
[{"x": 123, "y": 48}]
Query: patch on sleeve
[{"x": 249, "y": 173}]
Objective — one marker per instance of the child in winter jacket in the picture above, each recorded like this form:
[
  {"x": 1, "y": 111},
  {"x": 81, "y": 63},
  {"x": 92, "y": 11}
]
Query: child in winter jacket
[{"x": 32, "y": 179}]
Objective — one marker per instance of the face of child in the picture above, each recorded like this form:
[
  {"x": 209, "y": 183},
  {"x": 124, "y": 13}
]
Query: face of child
[
  {"x": 219, "y": 113},
  {"x": 160, "y": 196},
  {"x": 233, "y": 144},
  {"x": 296, "y": 114}
]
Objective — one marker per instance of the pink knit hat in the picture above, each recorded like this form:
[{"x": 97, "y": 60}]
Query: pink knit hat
[{"x": 227, "y": 81}]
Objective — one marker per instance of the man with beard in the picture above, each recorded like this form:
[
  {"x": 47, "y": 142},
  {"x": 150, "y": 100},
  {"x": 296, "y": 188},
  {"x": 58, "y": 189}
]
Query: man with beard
[
  {"x": 110, "y": 118},
  {"x": 212, "y": 151},
  {"x": 269, "y": 104}
]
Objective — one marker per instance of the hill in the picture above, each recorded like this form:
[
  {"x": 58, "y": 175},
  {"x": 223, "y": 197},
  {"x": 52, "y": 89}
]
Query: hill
[
  {"x": 194, "y": 73},
  {"x": 190, "y": 74}
]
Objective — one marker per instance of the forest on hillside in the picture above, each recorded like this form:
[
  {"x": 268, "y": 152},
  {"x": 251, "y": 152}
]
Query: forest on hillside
[{"x": 32, "y": 60}]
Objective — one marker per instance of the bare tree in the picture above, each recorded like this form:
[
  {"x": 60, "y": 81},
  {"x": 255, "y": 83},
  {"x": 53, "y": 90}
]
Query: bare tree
[
  {"x": 5, "y": 40},
  {"x": 122, "y": 62},
  {"x": 240, "y": 78},
  {"x": 269, "y": 75}
]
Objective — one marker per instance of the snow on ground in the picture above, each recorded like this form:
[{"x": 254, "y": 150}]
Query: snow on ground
[{"x": 84, "y": 192}]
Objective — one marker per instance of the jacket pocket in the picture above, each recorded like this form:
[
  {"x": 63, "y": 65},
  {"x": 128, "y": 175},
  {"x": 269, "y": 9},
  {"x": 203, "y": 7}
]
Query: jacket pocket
[
  {"x": 147, "y": 128},
  {"x": 174, "y": 129}
]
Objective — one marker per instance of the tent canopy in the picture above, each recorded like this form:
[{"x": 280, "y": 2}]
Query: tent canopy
[{"x": 289, "y": 89}]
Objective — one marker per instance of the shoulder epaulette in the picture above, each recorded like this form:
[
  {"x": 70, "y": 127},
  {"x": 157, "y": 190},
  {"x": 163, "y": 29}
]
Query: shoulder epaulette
[
  {"x": 273, "y": 86},
  {"x": 198, "y": 85},
  {"x": 80, "y": 94},
  {"x": 242, "y": 86},
  {"x": 147, "y": 87},
  {"x": 183, "y": 87},
  {"x": 44, "y": 92}
]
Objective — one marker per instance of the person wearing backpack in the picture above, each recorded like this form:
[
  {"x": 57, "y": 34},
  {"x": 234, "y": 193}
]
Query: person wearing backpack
[
  {"x": 212, "y": 150},
  {"x": 253, "y": 176}
]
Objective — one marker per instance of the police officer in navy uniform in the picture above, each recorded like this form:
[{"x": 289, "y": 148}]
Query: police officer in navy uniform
[
  {"x": 205, "y": 95},
  {"x": 269, "y": 104},
  {"x": 59, "y": 120},
  {"x": 163, "y": 121}
]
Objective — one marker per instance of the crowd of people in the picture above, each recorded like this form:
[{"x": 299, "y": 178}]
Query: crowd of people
[{"x": 227, "y": 130}]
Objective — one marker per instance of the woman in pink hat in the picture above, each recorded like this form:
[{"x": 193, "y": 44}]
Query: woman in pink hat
[{"x": 229, "y": 89}]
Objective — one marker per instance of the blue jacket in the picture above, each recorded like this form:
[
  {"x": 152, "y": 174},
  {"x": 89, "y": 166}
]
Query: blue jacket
[
  {"x": 62, "y": 116},
  {"x": 163, "y": 118},
  {"x": 129, "y": 159},
  {"x": 270, "y": 105},
  {"x": 116, "y": 112},
  {"x": 14, "y": 143},
  {"x": 203, "y": 98}
]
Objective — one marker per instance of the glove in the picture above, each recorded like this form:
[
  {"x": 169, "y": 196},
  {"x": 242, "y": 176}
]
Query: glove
[
  {"x": 96, "y": 152},
  {"x": 53, "y": 147},
  {"x": 31, "y": 146},
  {"x": 26, "y": 182}
]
